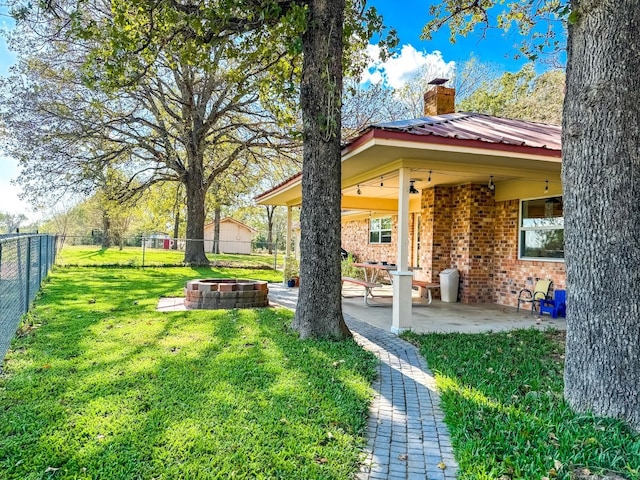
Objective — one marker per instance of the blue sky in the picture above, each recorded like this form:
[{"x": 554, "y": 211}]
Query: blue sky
[
  {"x": 410, "y": 16},
  {"x": 407, "y": 16}
]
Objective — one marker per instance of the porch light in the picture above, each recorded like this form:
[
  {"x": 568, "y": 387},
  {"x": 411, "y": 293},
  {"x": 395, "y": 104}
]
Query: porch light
[
  {"x": 359, "y": 192},
  {"x": 381, "y": 181},
  {"x": 546, "y": 186},
  {"x": 429, "y": 179},
  {"x": 492, "y": 186},
  {"x": 412, "y": 188}
]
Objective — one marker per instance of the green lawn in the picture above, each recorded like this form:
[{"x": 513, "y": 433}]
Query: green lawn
[
  {"x": 502, "y": 397},
  {"x": 100, "y": 385},
  {"x": 91, "y": 255}
]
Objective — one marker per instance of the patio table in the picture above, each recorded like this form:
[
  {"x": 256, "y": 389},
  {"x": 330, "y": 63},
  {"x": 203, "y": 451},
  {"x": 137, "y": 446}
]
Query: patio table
[{"x": 373, "y": 270}]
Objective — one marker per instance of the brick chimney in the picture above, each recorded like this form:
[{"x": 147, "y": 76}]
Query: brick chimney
[{"x": 439, "y": 99}]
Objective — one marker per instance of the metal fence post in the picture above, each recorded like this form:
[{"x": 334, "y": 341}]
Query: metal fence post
[
  {"x": 39, "y": 261},
  {"x": 143, "y": 250},
  {"x": 46, "y": 253},
  {"x": 27, "y": 275}
]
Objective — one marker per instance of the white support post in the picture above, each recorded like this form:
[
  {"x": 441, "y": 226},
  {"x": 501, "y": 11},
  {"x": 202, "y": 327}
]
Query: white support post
[
  {"x": 287, "y": 247},
  {"x": 287, "y": 250},
  {"x": 401, "y": 315}
]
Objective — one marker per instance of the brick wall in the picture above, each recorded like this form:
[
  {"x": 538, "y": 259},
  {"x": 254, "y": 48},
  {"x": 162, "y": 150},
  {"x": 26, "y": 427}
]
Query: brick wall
[
  {"x": 441, "y": 225},
  {"x": 437, "y": 219},
  {"x": 472, "y": 241},
  {"x": 510, "y": 274},
  {"x": 426, "y": 235},
  {"x": 355, "y": 239}
]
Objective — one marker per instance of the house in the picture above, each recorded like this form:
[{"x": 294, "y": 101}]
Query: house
[
  {"x": 469, "y": 191},
  {"x": 235, "y": 236}
]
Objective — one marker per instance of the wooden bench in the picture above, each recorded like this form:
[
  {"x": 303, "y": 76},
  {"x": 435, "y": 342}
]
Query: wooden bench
[
  {"x": 422, "y": 285},
  {"x": 368, "y": 286}
]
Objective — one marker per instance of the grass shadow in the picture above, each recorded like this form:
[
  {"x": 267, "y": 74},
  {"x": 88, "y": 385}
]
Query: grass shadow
[{"x": 106, "y": 387}]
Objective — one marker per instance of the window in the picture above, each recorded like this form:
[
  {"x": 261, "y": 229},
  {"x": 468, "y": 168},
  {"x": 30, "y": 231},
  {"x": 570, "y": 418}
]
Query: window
[
  {"x": 380, "y": 230},
  {"x": 542, "y": 229}
]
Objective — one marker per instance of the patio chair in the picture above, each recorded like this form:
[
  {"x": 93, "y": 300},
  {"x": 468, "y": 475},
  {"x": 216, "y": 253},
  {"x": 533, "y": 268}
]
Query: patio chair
[
  {"x": 540, "y": 292},
  {"x": 556, "y": 306}
]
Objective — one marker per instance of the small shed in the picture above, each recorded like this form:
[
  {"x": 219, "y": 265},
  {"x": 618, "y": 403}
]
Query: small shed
[
  {"x": 158, "y": 240},
  {"x": 235, "y": 236}
]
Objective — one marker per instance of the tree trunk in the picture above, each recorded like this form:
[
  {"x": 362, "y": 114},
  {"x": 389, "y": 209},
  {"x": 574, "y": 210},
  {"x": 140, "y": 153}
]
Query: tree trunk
[
  {"x": 602, "y": 219},
  {"x": 106, "y": 230},
  {"x": 194, "y": 249},
  {"x": 176, "y": 221},
  {"x": 176, "y": 230},
  {"x": 216, "y": 229},
  {"x": 319, "y": 310},
  {"x": 270, "y": 211}
]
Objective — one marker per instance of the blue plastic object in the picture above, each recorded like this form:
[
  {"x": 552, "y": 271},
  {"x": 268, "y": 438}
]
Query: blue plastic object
[{"x": 555, "y": 306}]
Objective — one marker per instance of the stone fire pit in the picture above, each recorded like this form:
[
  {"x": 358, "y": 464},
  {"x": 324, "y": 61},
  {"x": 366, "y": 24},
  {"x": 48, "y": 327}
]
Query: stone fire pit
[{"x": 225, "y": 293}]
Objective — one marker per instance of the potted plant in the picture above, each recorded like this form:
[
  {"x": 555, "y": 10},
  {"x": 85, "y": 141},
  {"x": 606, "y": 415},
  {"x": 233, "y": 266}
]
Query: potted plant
[{"x": 291, "y": 271}]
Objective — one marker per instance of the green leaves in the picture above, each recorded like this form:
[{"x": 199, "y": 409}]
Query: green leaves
[
  {"x": 520, "y": 95},
  {"x": 539, "y": 22}
]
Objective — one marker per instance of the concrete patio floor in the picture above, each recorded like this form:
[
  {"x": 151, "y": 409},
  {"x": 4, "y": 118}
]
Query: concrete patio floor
[{"x": 437, "y": 317}]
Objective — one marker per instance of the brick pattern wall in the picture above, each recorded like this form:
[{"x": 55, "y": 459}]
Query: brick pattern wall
[
  {"x": 355, "y": 239},
  {"x": 412, "y": 237},
  {"x": 460, "y": 237},
  {"x": 426, "y": 235},
  {"x": 435, "y": 243},
  {"x": 510, "y": 274},
  {"x": 442, "y": 223},
  {"x": 472, "y": 240}
]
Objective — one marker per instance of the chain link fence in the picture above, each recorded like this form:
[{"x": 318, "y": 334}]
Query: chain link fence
[
  {"x": 25, "y": 260},
  {"x": 161, "y": 250},
  {"x": 165, "y": 242}
]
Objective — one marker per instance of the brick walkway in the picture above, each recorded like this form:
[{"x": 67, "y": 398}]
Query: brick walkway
[{"x": 406, "y": 434}]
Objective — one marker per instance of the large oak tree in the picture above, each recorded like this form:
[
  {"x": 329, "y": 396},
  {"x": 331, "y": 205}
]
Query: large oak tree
[
  {"x": 600, "y": 168},
  {"x": 319, "y": 298},
  {"x": 186, "y": 113}
]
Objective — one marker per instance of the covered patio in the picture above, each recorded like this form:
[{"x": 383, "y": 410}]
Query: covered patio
[
  {"x": 439, "y": 317},
  {"x": 463, "y": 191}
]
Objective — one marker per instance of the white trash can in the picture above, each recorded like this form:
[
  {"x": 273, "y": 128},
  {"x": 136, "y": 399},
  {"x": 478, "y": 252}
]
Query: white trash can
[{"x": 449, "y": 280}]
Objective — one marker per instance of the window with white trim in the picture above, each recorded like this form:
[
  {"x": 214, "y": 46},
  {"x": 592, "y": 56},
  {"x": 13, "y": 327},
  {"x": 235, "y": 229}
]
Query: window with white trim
[
  {"x": 380, "y": 230},
  {"x": 542, "y": 229}
]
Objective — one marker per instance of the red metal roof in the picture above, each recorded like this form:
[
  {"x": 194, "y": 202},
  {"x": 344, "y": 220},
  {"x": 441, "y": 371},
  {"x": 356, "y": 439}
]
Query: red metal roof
[
  {"x": 456, "y": 128},
  {"x": 478, "y": 127}
]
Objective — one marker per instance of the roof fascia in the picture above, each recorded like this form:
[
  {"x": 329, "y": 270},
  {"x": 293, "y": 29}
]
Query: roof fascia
[{"x": 409, "y": 140}]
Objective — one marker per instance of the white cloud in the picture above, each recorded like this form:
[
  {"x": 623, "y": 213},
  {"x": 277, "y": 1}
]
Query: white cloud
[{"x": 404, "y": 66}]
